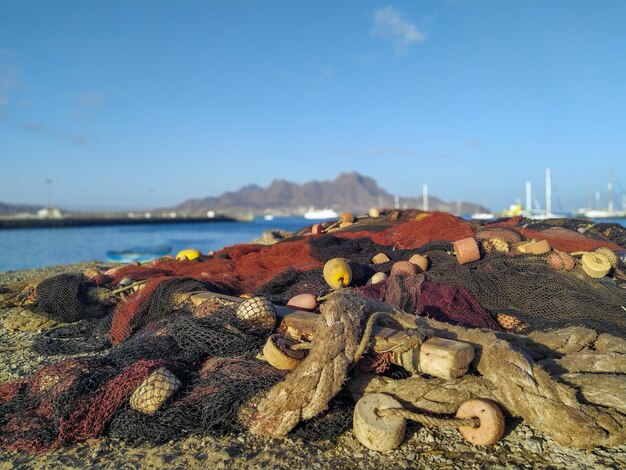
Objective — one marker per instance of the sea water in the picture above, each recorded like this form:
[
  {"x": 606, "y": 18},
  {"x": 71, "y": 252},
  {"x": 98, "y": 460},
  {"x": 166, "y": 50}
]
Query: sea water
[{"x": 40, "y": 247}]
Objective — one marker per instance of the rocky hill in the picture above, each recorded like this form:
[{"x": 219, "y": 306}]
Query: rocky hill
[{"x": 348, "y": 192}]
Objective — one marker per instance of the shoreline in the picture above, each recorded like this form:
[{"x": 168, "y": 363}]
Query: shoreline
[{"x": 27, "y": 223}]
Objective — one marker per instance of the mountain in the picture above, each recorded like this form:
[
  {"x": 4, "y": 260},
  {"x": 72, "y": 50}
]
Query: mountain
[
  {"x": 348, "y": 192},
  {"x": 12, "y": 209}
]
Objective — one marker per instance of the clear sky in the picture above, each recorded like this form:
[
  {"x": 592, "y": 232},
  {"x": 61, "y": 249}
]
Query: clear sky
[{"x": 148, "y": 103}]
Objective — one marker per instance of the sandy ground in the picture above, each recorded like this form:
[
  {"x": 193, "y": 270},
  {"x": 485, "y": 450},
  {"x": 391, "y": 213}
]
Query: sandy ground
[{"x": 522, "y": 447}]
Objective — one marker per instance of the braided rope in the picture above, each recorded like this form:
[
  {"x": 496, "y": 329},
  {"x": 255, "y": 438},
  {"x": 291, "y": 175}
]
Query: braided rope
[{"x": 430, "y": 421}]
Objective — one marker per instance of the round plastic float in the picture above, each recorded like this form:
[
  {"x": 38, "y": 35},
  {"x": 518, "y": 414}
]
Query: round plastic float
[
  {"x": 466, "y": 250},
  {"x": 278, "y": 353},
  {"x": 491, "y": 426}
]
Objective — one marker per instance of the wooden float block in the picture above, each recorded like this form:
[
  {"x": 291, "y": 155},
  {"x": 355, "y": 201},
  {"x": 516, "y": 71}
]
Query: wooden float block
[{"x": 445, "y": 358}]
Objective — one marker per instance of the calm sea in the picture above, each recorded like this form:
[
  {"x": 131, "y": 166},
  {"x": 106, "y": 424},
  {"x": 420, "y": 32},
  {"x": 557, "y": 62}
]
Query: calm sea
[{"x": 35, "y": 248}]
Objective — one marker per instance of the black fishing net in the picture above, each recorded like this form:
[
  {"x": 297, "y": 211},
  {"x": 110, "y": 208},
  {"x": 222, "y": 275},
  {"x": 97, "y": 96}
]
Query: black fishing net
[
  {"x": 88, "y": 335},
  {"x": 63, "y": 297},
  {"x": 614, "y": 233},
  {"x": 541, "y": 297},
  {"x": 211, "y": 404}
]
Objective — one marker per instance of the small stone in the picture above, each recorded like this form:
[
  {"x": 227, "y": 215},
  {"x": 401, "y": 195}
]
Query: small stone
[
  {"x": 534, "y": 445},
  {"x": 430, "y": 439},
  {"x": 411, "y": 456},
  {"x": 358, "y": 455}
]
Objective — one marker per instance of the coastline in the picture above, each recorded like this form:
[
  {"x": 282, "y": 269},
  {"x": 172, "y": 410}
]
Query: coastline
[{"x": 522, "y": 446}]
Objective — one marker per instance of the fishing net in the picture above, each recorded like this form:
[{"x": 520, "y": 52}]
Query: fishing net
[
  {"x": 63, "y": 297},
  {"x": 153, "y": 365}
]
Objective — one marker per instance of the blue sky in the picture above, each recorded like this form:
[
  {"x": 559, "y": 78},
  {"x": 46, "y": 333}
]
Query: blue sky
[{"x": 146, "y": 103}]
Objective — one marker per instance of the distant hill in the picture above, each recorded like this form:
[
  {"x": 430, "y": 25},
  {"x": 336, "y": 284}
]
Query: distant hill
[
  {"x": 12, "y": 209},
  {"x": 348, "y": 192}
]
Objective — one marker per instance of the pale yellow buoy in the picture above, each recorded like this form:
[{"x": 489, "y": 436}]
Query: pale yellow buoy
[{"x": 337, "y": 273}]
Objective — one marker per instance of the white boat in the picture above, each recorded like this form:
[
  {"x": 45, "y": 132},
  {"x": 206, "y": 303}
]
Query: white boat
[
  {"x": 609, "y": 212},
  {"x": 268, "y": 217},
  {"x": 482, "y": 216},
  {"x": 601, "y": 214},
  {"x": 321, "y": 214}
]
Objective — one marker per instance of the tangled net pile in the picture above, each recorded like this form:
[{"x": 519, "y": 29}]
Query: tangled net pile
[{"x": 131, "y": 323}]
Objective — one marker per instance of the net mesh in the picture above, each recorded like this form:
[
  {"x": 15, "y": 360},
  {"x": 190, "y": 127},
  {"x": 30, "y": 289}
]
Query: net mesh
[{"x": 208, "y": 375}]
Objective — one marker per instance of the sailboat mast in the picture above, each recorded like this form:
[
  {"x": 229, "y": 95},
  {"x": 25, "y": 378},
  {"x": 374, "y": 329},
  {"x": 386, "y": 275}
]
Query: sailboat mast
[
  {"x": 529, "y": 205},
  {"x": 609, "y": 194},
  {"x": 548, "y": 192},
  {"x": 425, "y": 197}
]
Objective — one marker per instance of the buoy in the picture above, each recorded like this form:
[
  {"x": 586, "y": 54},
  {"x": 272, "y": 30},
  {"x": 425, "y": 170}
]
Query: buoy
[
  {"x": 466, "y": 250},
  {"x": 491, "y": 245},
  {"x": 347, "y": 217},
  {"x": 595, "y": 265},
  {"x": 278, "y": 353},
  {"x": 420, "y": 261},
  {"x": 376, "y": 278},
  {"x": 337, "y": 273},
  {"x": 303, "y": 301},
  {"x": 491, "y": 426},
  {"x": 154, "y": 391},
  {"x": 608, "y": 254},
  {"x": 379, "y": 433},
  {"x": 509, "y": 322},
  {"x": 188, "y": 254},
  {"x": 379, "y": 421},
  {"x": 560, "y": 261},
  {"x": 534, "y": 247},
  {"x": 258, "y": 311},
  {"x": 374, "y": 213},
  {"x": 380, "y": 258},
  {"x": 403, "y": 268},
  {"x": 317, "y": 229},
  {"x": 506, "y": 234}
]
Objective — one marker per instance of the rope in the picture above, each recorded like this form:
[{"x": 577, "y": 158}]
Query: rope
[
  {"x": 367, "y": 334},
  {"x": 306, "y": 391},
  {"x": 430, "y": 421}
]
